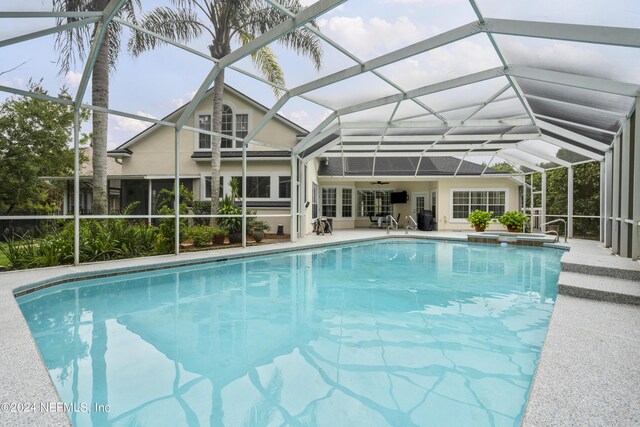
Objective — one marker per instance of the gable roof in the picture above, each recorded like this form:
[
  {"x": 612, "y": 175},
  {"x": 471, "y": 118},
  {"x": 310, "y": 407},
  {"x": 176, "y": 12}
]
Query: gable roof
[{"x": 124, "y": 147}]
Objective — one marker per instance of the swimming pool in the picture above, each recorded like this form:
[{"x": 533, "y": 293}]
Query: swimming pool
[{"x": 390, "y": 332}]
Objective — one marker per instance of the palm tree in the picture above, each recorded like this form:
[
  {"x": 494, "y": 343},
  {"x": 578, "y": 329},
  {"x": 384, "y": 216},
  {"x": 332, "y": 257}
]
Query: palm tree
[
  {"x": 73, "y": 44},
  {"x": 229, "y": 21}
]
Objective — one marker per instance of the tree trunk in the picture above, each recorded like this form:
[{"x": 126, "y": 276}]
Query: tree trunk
[
  {"x": 218, "y": 50},
  {"x": 100, "y": 98}
]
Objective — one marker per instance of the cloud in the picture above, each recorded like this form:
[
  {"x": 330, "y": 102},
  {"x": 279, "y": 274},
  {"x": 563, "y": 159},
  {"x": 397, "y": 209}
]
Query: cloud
[
  {"x": 376, "y": 35},
  {"x": 72, "y": 80},
  {"x": 125, "y": 124},
  {"x": 461, "y": 58},
  {"x": 14, "y": 82},
  {"x": 306, "y": 120},
  {"x": 176, "y": 103}
]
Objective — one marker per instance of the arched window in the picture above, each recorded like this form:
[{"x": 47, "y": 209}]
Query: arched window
[{"x": 238, "y": 128}]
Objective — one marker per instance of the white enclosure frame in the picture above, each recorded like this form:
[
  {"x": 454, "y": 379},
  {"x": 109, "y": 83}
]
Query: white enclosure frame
[{"x": 619, "y": 157}]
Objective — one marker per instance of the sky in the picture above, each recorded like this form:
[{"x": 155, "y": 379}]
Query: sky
[{"x": 160, "y": 81}]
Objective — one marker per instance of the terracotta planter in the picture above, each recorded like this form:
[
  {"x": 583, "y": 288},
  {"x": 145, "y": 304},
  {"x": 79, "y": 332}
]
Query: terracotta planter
[
  {"x": 514, "y": 229},
  {"x": 479, "y": 229},
  {"x": 218, "y": 239}
]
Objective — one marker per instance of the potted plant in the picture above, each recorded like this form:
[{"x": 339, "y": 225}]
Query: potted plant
[
  {"x": 513, "y": 220},
  {"x": 232, "y": 225},
  {"x": 259, "y": 227},
  {"x": 480, "y": 219},
  {"x": 218, "y": 236}
]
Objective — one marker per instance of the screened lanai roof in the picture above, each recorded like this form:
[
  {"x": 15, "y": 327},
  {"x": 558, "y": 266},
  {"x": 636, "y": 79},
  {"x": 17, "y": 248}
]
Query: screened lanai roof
[{"x": 478, "y": 81}]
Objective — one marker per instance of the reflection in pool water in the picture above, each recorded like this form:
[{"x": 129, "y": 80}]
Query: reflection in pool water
[{"x": 401, "y": 332}]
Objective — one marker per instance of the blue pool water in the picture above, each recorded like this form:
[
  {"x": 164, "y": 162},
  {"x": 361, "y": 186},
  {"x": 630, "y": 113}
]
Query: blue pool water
[{"x": 396, "y": 332}]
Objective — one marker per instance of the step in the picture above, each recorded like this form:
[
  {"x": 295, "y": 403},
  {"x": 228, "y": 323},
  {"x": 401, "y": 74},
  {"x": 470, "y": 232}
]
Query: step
[
  {"x": 604, "y": 266},
  {"x": 599, "y": 288}
]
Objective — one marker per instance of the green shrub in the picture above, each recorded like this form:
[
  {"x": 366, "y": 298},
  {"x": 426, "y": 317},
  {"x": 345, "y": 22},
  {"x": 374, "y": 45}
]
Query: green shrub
[
  {"x": 258, "y": 224},
  {"x": 480, "y": 219},
  {"x": 167, "y": 229},
  {"x": 99, "y": 241},
  {"x": 201, "y": 235},
  {"x": 513, "y": 219},
  {"x": 201, "y": 207}
]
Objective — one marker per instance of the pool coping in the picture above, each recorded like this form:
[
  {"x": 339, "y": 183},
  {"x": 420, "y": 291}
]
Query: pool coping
[{"x": 28, "y": 380}]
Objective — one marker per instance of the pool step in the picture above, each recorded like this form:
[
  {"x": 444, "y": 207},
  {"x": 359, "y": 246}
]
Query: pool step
[
  {"x": 600, "y": 288},
  {"x": 602, "y": 265}
]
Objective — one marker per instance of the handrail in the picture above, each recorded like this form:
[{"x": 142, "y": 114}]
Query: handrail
[
  {"x": 554, "y": 232},
  {"x": 559, "y": 220},
  {"x": 391, "y": 222},
  {"x": 408, "y": 227}
]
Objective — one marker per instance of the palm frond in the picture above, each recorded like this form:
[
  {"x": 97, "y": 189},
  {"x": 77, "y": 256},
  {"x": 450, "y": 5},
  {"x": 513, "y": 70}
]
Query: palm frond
[
  {"x": 267, "y": 62},
  {"x": 301, "y": 40},
  {"x": 180, "y": 25},
  {"x": 115, "y": 36},
  {"x": 305, "y": 43},
  {"x": 74, "y": 43}
]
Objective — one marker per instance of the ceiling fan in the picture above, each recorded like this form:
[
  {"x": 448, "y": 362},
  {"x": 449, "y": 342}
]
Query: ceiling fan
[{"x": 379, "y": 183}]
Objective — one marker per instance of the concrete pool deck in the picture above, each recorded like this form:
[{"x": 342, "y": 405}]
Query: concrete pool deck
[{"x": 588, "y": 372}]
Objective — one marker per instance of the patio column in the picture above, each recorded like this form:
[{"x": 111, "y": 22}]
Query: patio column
[
  {"x": 294, "y": 197},
  {"x": 602, "y": 200},
  {"x": 635, "y": 214},
  {"x": 608, "y": 200},
  {"x": 149, "y": 201},
  {"x": 543, "y": 215},
  {"x": 570, "y": 202},
  {"x": 532, "y": 204},
  {"x": 625, "y": 190},
  {"x": 244, "y": 194},
  {"x": 76, "y": 185},
  {"x": 615, "y": 211},
  {"x": 524, "y": 195},
  {"x": 302, "y": 199},
  {"x": 176, "y": 190},
  {"x": 65, "y": 200}
]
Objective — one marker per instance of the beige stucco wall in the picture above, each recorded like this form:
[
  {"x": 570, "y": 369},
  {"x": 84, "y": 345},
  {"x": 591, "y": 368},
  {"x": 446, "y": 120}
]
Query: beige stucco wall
[
  {"x": 153, "y": 154},
  {"x": 442, "y": 186},
  {"x": 444, "y": 199}
]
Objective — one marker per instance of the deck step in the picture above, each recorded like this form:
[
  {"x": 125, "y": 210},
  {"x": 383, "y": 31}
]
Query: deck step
[{"x": 599, "y": 288}]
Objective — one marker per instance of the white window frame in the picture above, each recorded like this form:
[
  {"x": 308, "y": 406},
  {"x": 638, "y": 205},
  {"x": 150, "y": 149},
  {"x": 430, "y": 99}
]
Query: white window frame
[
  {"x": 338, "y": 201},
  {"x": 273, "y": 190},
  {"x": 355, "y": 199},
  {"x": 464, "y": 220},
  {"x": 234, "y": 112}
]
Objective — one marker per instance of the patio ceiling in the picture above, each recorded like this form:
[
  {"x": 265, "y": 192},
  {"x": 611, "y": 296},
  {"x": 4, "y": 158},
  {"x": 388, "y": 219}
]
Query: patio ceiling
[{"x": 519, "y": 104}]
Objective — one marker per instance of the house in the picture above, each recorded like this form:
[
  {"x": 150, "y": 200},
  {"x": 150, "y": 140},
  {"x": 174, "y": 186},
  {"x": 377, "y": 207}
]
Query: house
[
  {"x": 147, "y": 159},
  {"x": 350, "y": 190}
]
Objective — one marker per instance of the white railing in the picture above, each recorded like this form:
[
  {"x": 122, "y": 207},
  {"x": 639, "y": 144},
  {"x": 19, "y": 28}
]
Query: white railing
[{"x": 409, "y": 227}]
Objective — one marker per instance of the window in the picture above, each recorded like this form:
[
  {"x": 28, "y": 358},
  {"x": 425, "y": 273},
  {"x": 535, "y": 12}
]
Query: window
[
  {"x": 329, "y": 202},
  {"x": 204, "y": 123},
  {"x": 466, "y": 201},
  {"x": 314, "y": 200},
  {"x": 258, "y": 187},
  {"x": 242, "y": 127},
  {"x": 374, "y": 202},
  {"x": 207, "y": 187},
  {"x": 284, "y": 187},
  {"x": 232, "y": 125},
  {"x": 227, "y": 126},
  {"x": 347, "y": 202}
]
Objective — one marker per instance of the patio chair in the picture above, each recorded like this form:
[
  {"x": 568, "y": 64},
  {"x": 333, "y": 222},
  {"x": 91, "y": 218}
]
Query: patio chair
[{"x": 374, "y": 222}]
